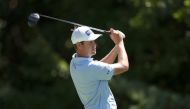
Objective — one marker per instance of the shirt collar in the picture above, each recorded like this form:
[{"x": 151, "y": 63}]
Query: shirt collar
[{"x": 75, "y": 56}]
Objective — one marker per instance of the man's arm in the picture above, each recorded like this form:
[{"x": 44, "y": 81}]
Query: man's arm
[
  {"x": 123, "y": 64},
  {"x": 111, "y": 56}
]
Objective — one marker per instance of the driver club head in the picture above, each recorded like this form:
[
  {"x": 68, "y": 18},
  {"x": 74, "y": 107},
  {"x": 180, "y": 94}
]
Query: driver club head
[{"x": 33, "y": 19}]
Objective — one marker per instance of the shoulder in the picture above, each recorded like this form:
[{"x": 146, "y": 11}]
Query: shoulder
[
  {"x": 100, "y": 70},
  {"x": 97, "y": 63}
]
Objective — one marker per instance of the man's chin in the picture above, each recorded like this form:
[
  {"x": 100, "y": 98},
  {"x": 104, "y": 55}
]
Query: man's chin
[{"x": 93, "y": 53}]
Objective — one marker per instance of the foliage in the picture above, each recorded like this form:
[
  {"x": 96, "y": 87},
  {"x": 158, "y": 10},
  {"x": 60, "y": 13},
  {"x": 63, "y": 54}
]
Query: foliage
[{"x": 34, "y": 62}]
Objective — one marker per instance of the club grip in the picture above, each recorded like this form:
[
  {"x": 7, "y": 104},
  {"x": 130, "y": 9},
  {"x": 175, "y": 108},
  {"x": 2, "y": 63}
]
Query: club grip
[{"x": 121, "y": 34}]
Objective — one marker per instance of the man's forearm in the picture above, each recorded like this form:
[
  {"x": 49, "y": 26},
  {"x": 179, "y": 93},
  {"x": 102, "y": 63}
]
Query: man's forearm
[
  {"x": 122, "y": 54},
  {"x": 111, "y": 56}
]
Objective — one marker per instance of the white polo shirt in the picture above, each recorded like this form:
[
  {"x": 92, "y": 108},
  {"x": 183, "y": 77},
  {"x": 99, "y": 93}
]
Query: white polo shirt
[{"x": 91, "y": 82}]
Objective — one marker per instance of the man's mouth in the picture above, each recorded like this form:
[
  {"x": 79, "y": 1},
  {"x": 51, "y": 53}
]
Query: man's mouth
[{"x": 94, "y": 49}]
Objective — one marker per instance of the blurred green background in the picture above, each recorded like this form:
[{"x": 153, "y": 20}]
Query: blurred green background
[{"x": 34, "y": 62}]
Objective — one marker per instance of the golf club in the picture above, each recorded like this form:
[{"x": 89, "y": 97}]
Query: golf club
[{"x": 35, "y": 17}]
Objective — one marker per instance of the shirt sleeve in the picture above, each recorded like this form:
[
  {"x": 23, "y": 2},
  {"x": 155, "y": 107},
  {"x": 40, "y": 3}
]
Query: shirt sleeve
[{"x": 101, "y": 71}]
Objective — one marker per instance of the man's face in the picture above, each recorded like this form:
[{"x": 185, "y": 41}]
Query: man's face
[{"x": 88, "y": 48}]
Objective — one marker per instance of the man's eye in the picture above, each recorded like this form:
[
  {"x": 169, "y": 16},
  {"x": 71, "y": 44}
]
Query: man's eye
[{"x": 93, "y": 41}]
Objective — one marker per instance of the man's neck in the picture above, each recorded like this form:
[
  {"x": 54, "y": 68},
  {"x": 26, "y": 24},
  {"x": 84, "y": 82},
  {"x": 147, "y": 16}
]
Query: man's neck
[{"x": 81, "y": 55}]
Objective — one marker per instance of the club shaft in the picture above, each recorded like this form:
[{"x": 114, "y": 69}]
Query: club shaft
[{"x": 69, "y": 22}]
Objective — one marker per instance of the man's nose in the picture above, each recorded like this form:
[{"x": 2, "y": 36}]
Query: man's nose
[{"x": 94, "y": 42}]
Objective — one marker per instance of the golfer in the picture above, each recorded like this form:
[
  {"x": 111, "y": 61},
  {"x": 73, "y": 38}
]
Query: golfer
[{"x": 90, "y": 76}]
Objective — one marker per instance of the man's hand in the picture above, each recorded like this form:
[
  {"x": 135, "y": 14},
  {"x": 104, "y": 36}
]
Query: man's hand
[{"x": 116, "y": 36}]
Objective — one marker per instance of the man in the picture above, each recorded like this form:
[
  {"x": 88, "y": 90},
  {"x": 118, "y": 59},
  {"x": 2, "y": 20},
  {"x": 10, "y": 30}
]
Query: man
[{"x": 91, "y": 77}]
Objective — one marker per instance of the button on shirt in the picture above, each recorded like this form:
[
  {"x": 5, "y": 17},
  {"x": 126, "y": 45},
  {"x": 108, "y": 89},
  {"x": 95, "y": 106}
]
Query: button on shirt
[{"x": 91, "y": 82}]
